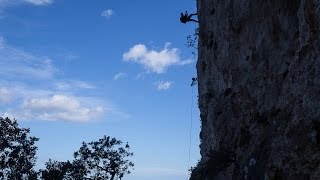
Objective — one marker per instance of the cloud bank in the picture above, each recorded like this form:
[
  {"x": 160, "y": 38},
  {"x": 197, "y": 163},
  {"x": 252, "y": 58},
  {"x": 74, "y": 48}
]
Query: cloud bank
[
  {"x": 30, "y": 90},
  {"x": 58, "y": 107}
]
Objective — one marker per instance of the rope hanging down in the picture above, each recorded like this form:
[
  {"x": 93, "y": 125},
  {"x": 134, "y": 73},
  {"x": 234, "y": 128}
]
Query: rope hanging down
[{"x": 194, "y": 82}]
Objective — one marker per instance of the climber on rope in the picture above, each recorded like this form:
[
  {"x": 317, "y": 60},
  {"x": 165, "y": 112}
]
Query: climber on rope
[
  {"x": 194, "y": 81},
  {"x": 187, "y": 17}
]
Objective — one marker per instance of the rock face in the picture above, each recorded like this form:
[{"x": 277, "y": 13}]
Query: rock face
[{"x": 259, "y": 89}]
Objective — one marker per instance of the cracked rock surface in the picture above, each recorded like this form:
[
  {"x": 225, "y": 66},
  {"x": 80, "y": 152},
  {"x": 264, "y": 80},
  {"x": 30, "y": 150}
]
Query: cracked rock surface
[{"x": 259, "y": 89}]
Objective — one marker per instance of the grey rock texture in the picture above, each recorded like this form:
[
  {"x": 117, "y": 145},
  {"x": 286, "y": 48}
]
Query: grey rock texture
[{"x": 259, "y": 89}]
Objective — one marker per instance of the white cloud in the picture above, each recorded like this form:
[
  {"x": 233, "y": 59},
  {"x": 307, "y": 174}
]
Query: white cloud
[
  {"x": 5, "y": 95},
  {"x": 13, "y": 93},
  {"x": 6, "y": 3},
  {"x": 39, "y": 2},
  {"x": 73, "y": 84},
  {"x": 163, "y": 85},
  {"x": 30, "y": 103},
  {"x": 56, "y": 107},
  {"x": 152, "y": 60},
  {"x": 107, "y": 13},
  {"x": 119, "y": 76},
  {"x": 185, "y": 62},
  {"x": 141, "y": 75},
  {"x": 20, "y": 64},
  {"x": 29, "y": 90}
]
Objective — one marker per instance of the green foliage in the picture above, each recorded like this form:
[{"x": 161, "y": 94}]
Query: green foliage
[
  {"x": 192, "y": 40},
  {"x": 105, "y": 158},
  {"x": 17, "y": 151},
  {"x": 56, "y": 170}
]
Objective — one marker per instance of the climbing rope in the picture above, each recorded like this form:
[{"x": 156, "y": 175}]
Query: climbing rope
[
  {"x": 191, "y": 121},
  {"x": 190, "y": 131}
]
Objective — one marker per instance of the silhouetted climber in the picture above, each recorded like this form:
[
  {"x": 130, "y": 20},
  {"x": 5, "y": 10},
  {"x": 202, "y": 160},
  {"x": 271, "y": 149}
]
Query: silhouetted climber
[
  {"x": 194, "y": 81},
  {"x": 187, "y": 17}
]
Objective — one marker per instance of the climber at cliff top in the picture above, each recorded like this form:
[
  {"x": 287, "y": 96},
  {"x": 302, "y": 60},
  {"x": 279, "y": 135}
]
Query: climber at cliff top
[{"x": 187, "y": 18}]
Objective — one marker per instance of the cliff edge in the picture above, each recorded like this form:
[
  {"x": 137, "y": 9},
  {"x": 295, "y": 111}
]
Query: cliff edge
[{"x": 259, "y": 89}]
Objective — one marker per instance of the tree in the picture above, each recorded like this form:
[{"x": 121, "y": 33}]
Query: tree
[
  {"x": 105, "y": 158},
  {"x": 17, "y": 151},
  {"x": 56, "y": 170}
]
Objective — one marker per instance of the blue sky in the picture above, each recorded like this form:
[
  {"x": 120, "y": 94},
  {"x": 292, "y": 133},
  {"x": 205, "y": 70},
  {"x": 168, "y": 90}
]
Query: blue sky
[{"x": 75, "y": 70}]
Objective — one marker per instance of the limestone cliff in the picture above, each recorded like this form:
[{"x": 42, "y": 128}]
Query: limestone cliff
[{"x": 259, "y": 89}]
